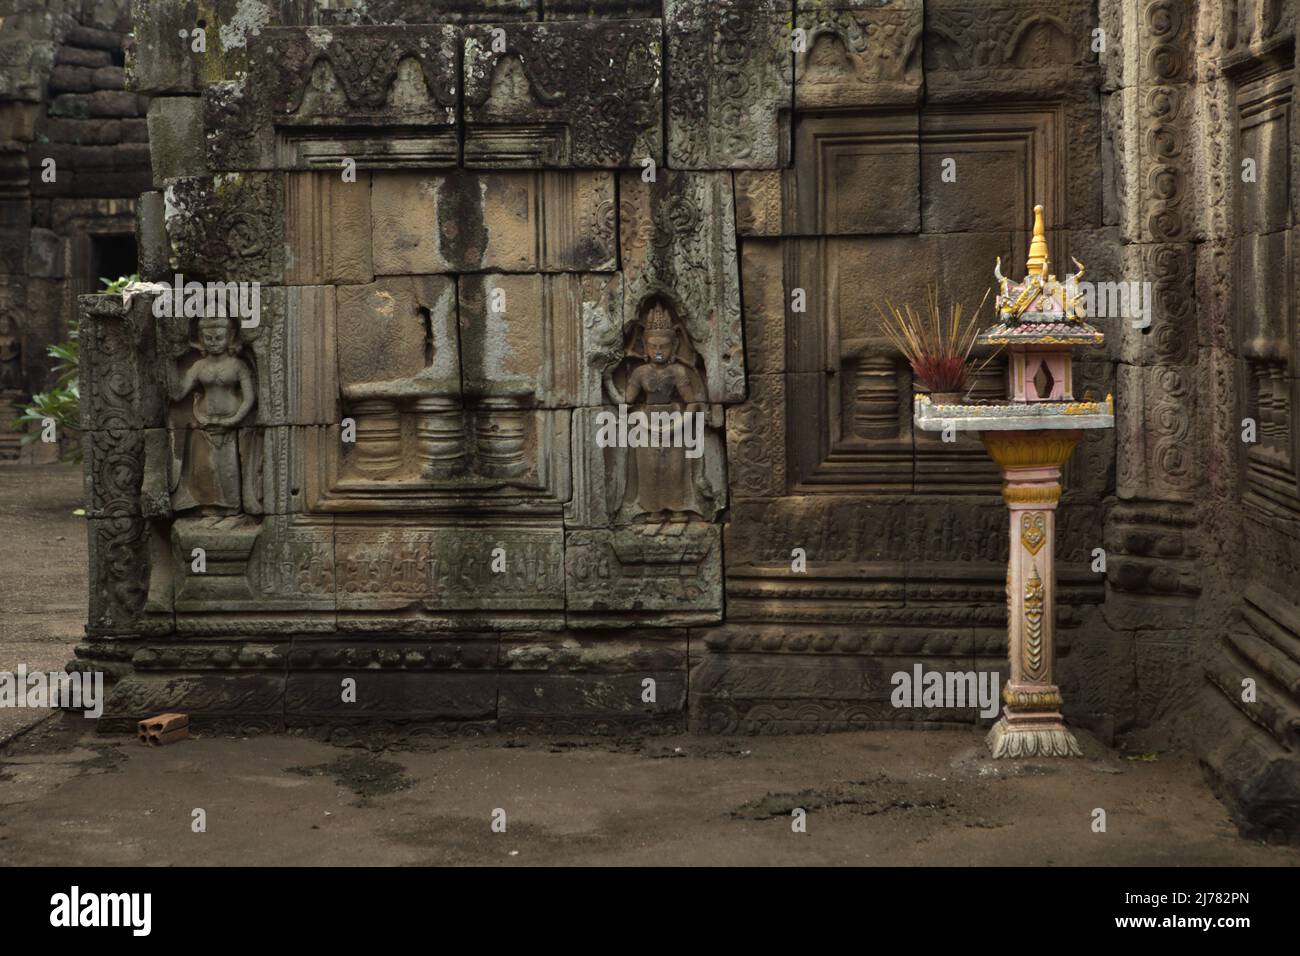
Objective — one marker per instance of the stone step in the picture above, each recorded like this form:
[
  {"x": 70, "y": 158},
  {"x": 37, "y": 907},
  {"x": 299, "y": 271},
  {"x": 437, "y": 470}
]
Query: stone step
[
  {"x": 1279, "y": 667},
  {"x": 1272, "y": 709},
  {"x": 93, "y": 39},
  {"x": 1256, "y": 778},
  {"x": 1276, "y": 619},
  {"x": 78, "y": 56}
]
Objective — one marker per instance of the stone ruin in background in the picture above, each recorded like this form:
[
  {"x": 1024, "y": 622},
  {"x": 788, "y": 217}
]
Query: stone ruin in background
[
  {"x": 74, "y": 159},
  {"x": 503, "y": 158}
]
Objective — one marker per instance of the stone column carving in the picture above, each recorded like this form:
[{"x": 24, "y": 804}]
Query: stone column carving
[
  {"x": 378, "y": 449},
  {"x": 501, "y": 434},
  {"x": 875, "y": 400},
  {"x": 440, "y": 437}
]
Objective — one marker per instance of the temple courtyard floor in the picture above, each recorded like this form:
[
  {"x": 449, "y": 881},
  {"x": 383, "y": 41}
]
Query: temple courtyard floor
[{"x": 70, "y": 796}]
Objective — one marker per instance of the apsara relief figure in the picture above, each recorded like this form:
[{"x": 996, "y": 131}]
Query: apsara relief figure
[
  {"x": 218, "y": 463},
  {"x": 665, "y": 440}
]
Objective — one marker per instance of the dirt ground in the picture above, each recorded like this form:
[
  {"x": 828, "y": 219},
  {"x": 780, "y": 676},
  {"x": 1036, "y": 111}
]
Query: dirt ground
[
  {"x": 72, "y": 797},
  {"x": 901, "y": 797},
  {"x": 42, "y": 573}
]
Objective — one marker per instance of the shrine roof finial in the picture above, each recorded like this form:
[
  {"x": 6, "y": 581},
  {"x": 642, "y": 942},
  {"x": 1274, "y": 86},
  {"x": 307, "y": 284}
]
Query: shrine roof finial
[
  {"x": 1041, "y": 310},
  {"x": 1038, "y": 259}
]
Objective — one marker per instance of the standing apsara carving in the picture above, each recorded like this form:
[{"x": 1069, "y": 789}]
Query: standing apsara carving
[
  {"x": 661, "y": 378},
  {"x": 218, "y": 464}
]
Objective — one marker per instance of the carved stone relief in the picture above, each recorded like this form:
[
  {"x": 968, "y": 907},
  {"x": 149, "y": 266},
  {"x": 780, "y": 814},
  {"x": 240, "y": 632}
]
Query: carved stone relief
[
  {"x": 317, "y": 95},
  {"x": 578, "y": 94},
  {"x": 551, "y": 216}
]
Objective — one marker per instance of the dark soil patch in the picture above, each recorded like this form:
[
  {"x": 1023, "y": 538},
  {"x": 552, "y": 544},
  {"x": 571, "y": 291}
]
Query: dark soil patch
[
  {"x": 881, "y": 794},
  {"x": 364, "y": 774},
  {"x": 110, "y": 759}
]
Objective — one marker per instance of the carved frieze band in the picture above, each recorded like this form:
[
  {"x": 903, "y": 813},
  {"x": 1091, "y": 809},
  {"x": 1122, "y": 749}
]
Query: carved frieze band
[{"x": 1032, "y": 494}]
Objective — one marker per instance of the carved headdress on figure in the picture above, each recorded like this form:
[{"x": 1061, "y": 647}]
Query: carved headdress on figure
[
  {"x": 659, "y": 319},
  {"x": 660, "y": 316}
]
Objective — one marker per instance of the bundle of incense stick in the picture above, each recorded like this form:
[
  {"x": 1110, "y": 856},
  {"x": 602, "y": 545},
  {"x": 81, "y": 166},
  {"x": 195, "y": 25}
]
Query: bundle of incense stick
[{"x": 937, "y": 347}]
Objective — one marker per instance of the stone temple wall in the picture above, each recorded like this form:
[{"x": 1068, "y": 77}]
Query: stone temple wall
[
  {"x": 547, "y": 193},
  {"x": 74, "y": 159}
]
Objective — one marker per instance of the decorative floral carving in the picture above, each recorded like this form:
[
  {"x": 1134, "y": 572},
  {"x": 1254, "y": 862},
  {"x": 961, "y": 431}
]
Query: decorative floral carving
[
  {"x": 1033, "y": 530},
  {"x": 974, "y": 49},
  {"x": 731, "y": 67},
  {"x": 337, "y": 77},
  {"x": 228, "y": 228},
  {"x": 114, "y": 453},
  {"x": 678, "y": 240},
  {"x": 593, "y": 93},
  {"x": 1033, "y": 662}
]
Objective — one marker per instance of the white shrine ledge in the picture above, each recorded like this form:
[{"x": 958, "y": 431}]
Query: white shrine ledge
[{"x": 1014, "y": 416}]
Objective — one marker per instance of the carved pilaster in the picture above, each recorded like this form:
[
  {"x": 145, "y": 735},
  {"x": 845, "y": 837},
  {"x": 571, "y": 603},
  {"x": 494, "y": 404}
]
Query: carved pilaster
[{"x": 120, "y": 402}]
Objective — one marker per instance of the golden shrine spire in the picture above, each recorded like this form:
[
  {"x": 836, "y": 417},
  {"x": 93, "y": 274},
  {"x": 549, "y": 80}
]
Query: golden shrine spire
[{"x": 1037, "y": 262}]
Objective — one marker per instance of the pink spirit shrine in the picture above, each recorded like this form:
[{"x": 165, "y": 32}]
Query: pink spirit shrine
[{"x": 1031, "y": 435}]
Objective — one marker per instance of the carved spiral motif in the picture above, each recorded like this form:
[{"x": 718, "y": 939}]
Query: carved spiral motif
[{"x": 1163, "y": 18}]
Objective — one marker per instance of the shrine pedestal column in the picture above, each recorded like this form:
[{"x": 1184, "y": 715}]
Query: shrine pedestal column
[{"x": 1031, "y": 724}]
